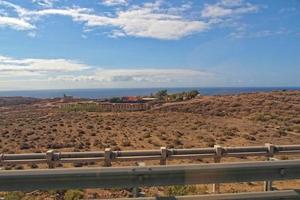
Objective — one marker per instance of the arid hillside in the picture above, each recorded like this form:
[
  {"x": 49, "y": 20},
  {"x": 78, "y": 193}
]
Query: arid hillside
[
  {"x": 273, "y": 104},
  {"x": 244, "y": 119},
  {"x": 231, "y": 120},
  {"x": 10, "y": 101}
]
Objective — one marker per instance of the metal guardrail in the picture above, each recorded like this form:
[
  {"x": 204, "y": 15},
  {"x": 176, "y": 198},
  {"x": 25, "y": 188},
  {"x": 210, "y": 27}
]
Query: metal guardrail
[
  {"x": 53, "y": 157},
  {"x": 273, "y": 195},
  {"x": 130, "y": 177}
]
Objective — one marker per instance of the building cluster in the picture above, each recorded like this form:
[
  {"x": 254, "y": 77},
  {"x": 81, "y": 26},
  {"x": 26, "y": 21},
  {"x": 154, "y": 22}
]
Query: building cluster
[{"x": 104, "y": 106}]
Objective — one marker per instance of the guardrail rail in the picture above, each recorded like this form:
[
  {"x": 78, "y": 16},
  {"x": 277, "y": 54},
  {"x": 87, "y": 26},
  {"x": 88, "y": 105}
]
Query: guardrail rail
[
  {"x": 163, "y": 154},
  {"x": 139, "y": 176}
]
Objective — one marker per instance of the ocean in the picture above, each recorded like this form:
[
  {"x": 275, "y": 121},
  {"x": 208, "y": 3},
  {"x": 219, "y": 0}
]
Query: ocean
[{"x": 119, "y": 92}]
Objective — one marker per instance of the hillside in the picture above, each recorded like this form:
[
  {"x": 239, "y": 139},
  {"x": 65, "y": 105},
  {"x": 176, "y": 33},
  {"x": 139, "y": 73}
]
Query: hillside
[
  {"x": 10, "y": 101},
  {"x": 231, "y": 120}
]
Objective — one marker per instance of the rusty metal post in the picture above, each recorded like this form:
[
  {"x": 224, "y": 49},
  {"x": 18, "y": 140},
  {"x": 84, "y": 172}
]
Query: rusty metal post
[{"x": 217, "y": 159}]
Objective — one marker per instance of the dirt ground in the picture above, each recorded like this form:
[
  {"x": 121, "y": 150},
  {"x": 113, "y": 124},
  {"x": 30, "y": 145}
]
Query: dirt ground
[{"x": 230, "y": 120}]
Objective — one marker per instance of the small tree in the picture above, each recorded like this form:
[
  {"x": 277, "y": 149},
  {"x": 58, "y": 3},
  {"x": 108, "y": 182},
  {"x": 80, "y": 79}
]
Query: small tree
[
  {"x": 192, "y": 94},
  {"x": 73, "y": 195},
  {"x": 161, "y": 94},
  {"x": 115, "y": 100}
]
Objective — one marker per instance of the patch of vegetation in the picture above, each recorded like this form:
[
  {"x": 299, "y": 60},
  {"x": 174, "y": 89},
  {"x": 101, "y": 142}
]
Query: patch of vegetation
[
  {"x": 163, "y": 95},
  {"x": 116, "y": 100},
  {"x": 14, "y": 196},
  {"x": 179, "y": 190},
  {"x": 262, "y": 117},
  {"x": 296, "y": 128},
  {"x": 86, "y": 107},
  {"x": 73, "y": 195}
]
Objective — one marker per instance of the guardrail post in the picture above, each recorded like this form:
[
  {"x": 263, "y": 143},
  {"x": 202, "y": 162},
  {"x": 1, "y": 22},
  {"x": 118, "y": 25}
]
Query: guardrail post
[
  {"x": 107, "y": 157},
  {"x": 136, "y": 192},
  {"x": 1, "y": 159},
  {"x": 50, "y": 158},
  {"x": 164, "y": 155},
  {"x": 217, "y": 159},
  {"x": 271, "y": 150}
]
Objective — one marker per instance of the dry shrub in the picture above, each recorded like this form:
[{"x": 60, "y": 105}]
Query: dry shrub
[
  {"x": 185, "y": 190},
  {"x": 296, "y": 128},
  {"x": 126, "y": 143},
  {"x": 73, "y": 195}
]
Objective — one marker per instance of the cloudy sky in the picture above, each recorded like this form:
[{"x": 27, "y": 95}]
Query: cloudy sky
[{"x": 51, "y": 44}]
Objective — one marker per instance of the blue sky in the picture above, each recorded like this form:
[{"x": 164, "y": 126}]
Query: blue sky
[{"x": 51, "y": 44}]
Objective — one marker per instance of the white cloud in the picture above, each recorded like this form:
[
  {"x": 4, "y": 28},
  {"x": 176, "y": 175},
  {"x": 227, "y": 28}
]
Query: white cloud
[
  {"x": 15, "y": 23},
  {"x": 18, "y": 9},
  {"x": 231, "y": 3},
  {"x": 215, "y": 11},
  {"x": 61, "y": 73},
  {"x": 37, "y": 67},
  {"x": 145, "y": 21},
  {"x": 137, "y": 77},
  {"x": 228, "y": 8},
  {"x": 258, "y": 34},
  {"x": 288, "y": 10},
  {"x": 149, "y": 75},
  {"x": 45, "y": 3},
  {"x": 227, "y": 13},
  {"x": 114, "y": 2},
  {"x": 159, "y": 19}
]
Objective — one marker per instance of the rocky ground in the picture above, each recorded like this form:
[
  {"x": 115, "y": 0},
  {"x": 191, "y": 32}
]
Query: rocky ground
[{"x": 230, "y": 120}]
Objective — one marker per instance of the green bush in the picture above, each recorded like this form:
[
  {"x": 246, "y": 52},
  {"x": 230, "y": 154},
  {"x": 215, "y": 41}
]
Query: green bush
[
  {"x": 181, "y": 190},
  {"x": 14, "y": 196},
  {"x": 73, "y": 195},
  {"x": 262, "y": 117},
  {"x": 161, "y": 94},
  {"x": 115, "y": 100},
  {"x": 192, "y": 94}
]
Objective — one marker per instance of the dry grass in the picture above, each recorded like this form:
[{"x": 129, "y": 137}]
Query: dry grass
[{"x": 233, "y": 120}]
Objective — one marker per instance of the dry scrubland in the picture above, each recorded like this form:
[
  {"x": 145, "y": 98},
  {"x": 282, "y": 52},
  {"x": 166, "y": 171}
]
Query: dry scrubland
[{"x": 231, "y": 120}]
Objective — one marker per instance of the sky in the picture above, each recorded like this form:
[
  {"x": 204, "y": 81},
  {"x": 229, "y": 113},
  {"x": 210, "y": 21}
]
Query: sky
[{"x": 63, "y": 44}]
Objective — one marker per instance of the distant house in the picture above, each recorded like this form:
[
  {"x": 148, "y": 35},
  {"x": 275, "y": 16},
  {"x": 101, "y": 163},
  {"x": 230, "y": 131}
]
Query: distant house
[
  {"x": 149, "y": 99},
  {"x": 131, "y": 99}
]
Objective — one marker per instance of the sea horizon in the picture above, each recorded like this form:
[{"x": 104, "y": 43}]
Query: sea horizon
[{"x": 96, "y": 93}]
